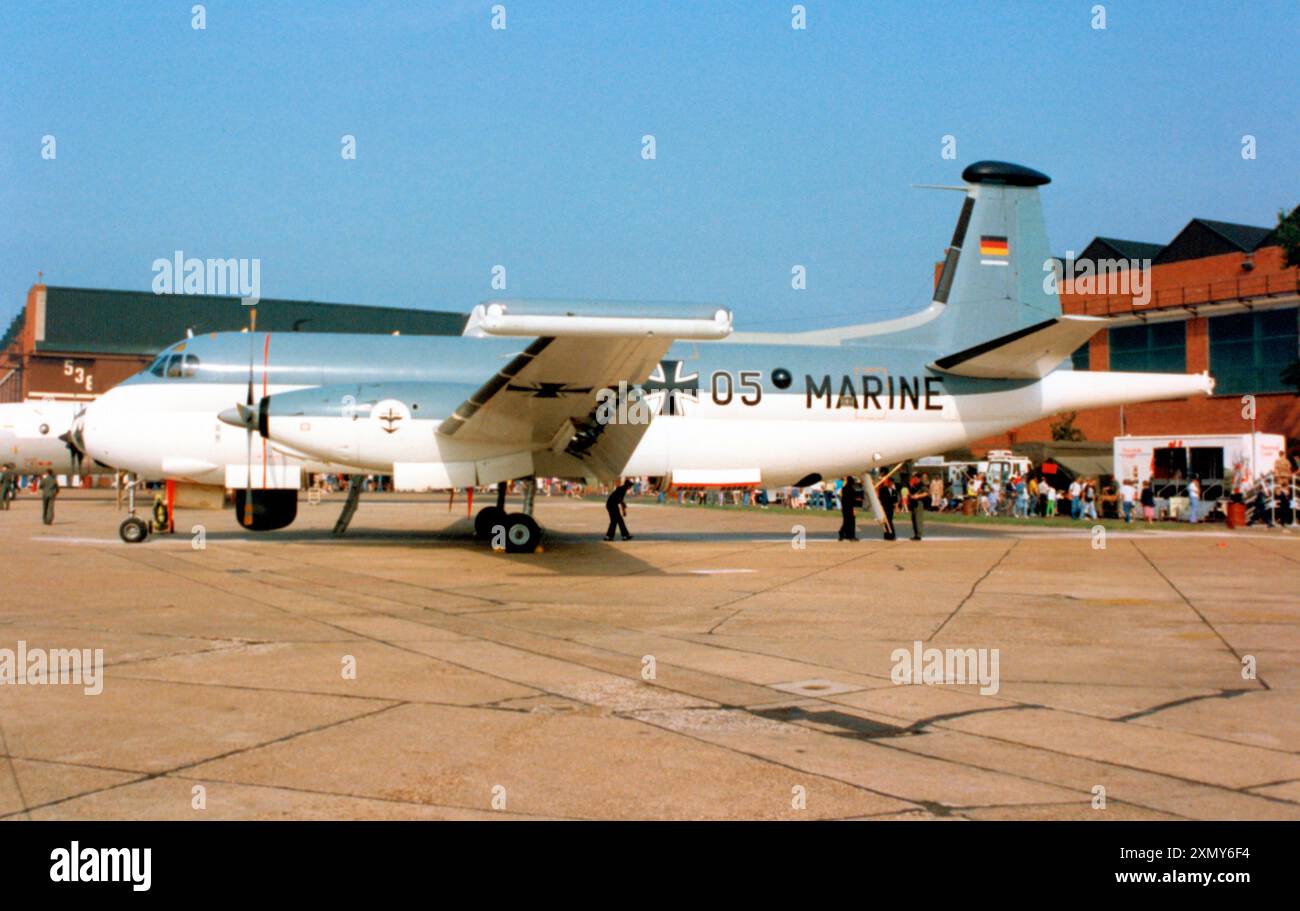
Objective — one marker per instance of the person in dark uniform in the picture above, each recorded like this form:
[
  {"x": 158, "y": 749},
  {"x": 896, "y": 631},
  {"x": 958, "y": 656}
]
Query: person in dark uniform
[
  {"x": 918, "y": 498},
  {"x": 49, "y": 490},
  {"x": 1263, "y": 507},
  {"x": 888, "y": 499},
  {"x": 617, "y": 509},
  {"x": 848, "y": 522},
  {"x": 7, "y": 481}
]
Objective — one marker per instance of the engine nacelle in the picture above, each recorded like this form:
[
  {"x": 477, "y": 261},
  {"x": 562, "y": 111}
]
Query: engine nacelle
[
  {"x": 372, "y": 425},
  {"x": 378, "y": 426}
]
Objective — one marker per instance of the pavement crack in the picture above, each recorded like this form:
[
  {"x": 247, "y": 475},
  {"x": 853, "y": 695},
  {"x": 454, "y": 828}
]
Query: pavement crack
[
  {"x": 808, "y": 575},
  {"x": 988, "y": 572},
  {"x": 1188, "y": 601},
  {"x": 13, "y": 773}
]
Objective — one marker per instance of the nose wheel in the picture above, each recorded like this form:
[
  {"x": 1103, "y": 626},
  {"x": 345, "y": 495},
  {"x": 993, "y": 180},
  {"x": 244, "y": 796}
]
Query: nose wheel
[{"x": 133, "y": 530}]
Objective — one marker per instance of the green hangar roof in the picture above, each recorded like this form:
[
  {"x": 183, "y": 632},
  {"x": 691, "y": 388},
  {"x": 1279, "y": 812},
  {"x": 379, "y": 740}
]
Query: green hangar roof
[{"x": 143, "y": 323}]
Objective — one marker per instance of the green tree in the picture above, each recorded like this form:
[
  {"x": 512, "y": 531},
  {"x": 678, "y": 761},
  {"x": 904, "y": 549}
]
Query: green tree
[
  {"x": 1291, "y": 375},
  {"x": 1288, "y": 238},
  {"x": 1065, "y": 431},
  {"x": 1288, "y": 235}
]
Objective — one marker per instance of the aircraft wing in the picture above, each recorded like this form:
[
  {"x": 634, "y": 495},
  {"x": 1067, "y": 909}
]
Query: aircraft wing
[
  {"x": 546, "y": 397},
  {"x": 1029, "y": 353}
]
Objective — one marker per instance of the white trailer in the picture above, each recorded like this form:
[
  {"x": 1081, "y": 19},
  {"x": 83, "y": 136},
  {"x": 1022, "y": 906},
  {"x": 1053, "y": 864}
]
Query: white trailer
[
  {"x": 998, "y": 467},
  {"x": 1222, "y": 462}
]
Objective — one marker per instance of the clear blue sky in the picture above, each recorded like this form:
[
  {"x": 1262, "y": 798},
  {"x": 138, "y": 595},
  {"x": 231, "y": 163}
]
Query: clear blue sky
[{"x": 522, "y": 147}]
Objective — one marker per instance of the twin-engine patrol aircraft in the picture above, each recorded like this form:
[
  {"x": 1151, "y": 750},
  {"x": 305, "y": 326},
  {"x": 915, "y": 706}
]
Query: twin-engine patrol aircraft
[
  {"x": 36, "y": 435},
  {"x": 561, "y": 389}
]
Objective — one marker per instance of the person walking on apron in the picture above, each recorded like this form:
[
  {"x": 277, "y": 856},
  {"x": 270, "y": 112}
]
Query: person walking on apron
[
  {"x": 848, "y": 521},
  {"x": 49, "y": 488},
  {"x": 617, "y": 509}
]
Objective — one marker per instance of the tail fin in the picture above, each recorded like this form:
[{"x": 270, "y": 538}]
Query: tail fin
[{"x": 992, "y": 279}]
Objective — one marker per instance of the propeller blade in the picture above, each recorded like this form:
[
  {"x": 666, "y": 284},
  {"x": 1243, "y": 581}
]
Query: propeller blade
[
  {"x": 75, "y": 441},
  {"x": 250, "y": 424}
]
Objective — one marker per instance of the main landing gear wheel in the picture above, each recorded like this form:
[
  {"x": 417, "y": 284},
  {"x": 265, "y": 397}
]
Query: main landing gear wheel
[
  {"x": 133, "y": 530},
  {"x": 488, "y": 518},
  {"x": 522, "y": 534}
]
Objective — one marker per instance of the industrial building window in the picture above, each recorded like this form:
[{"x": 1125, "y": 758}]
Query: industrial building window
[
  {"x": 1248, "y": 351},
  {"x": 1080, "y": 358},
  {"x": 1149, "y": 347}
]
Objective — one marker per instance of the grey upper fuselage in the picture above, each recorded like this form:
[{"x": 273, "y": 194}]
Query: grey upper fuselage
[
  {"x": 459, "y": 362},
  {"x": 981, "y": 295}
]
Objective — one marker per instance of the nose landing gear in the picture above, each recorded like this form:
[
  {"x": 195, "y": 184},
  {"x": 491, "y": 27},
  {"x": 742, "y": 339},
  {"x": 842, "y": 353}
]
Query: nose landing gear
[{"x": 132, "y": 530}]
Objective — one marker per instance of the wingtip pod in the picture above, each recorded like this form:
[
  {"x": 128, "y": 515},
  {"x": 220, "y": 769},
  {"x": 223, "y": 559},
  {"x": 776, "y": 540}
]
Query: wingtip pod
[{"x": 609, "y": 319}]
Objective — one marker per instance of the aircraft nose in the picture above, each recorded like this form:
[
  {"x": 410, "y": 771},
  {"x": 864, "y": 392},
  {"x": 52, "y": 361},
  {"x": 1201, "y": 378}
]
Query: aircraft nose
[{"x": 97, "y": 430}]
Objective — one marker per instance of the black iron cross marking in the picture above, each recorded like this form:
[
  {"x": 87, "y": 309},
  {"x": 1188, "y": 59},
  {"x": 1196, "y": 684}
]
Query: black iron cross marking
[
  {"x": 674, "y": 389},
  {"x": 391, "y": 420},
  {"x": 550, "y": 390}
]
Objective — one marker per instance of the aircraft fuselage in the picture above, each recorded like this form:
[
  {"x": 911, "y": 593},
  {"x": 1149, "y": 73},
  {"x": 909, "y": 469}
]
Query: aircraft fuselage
[{"x": 727, "y": 412}]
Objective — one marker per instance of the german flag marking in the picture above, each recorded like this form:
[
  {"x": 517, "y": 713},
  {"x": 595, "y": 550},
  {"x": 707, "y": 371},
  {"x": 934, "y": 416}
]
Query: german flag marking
[{"x": 993, "y": 246}]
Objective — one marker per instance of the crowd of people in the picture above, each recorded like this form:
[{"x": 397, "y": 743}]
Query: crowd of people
[
  {"x": 1268, "y": 500},
  {"x": 1271, "y": 499}
]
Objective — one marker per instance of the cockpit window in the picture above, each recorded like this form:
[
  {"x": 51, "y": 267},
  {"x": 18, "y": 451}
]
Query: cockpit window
[
  {"x": 175, "y": 366},
  {"x": 182, "y": 366}
]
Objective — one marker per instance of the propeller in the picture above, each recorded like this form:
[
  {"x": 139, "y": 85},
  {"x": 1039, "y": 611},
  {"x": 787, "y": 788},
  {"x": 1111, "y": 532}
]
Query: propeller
[
  {"x": 247, "y": 415},
  {"x": 75, "y": 441},
  {"x": 244, "y": 411}
]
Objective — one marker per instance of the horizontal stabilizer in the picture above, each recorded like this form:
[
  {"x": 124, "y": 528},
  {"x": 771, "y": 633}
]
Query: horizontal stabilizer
[{"x": 1026, "y": 354}]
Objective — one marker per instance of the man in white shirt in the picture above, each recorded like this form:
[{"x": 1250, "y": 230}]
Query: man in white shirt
[
  {"x": 1076, "y": 499},
  {"x": 1126, "y": 496}
]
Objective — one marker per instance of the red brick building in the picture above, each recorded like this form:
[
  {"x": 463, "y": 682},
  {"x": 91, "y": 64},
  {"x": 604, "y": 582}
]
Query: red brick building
[
  {"x": 76, "y": 343},
  {"x": 1220, "y": 299}
]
